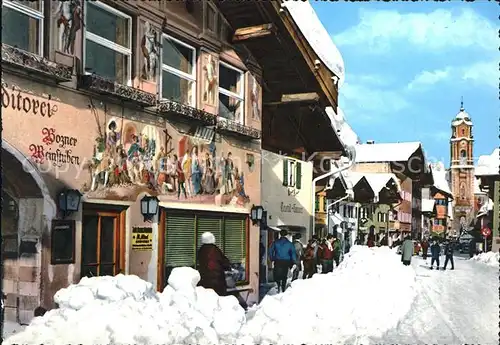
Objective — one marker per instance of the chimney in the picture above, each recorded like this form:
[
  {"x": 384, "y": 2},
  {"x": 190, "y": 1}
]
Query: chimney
[{"x": 370, "y": 142}]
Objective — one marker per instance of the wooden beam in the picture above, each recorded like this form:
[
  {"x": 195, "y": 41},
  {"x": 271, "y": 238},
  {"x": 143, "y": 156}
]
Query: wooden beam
[
  {"x": 256, "y": 31},
  {"x": 300, "y": 97}
]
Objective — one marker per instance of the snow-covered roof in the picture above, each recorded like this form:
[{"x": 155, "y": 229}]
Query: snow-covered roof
[
  {"x": 487, "y": 207},
  {"x": 428, "y": 205},
  {"x": 339, "y": 123},
  {"x": 377, "y": 181},
  {"x": 477, "y": 188},
  {"x": 488, "y": 164},
  {"x": 315, "y": 33},
  {"x": 462, "y": 117},
  {"x": 385, "y": 152},
  {"x": 439, "y": 176}
]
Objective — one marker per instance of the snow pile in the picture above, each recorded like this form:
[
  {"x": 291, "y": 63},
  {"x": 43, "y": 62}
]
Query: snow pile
[
  {"x": 489, "y": 258},
  {"x": 128, "y": 310},
  {"x": 366, "y": 295}
]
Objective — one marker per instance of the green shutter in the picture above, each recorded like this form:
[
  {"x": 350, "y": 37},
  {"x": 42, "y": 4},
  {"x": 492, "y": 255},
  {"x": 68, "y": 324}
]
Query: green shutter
[
  {"x": 235, "y": 241},
  {"x": 298, "y": 177},
  {"x": 180, "y": 240},
  {"x": 316, "y": 203},
  {"x": 209, "y": 224},
  {"x": 285, "y": 172}
]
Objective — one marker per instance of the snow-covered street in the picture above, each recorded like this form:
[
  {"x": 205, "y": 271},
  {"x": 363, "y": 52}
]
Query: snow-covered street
[
  {"x": 451, "y": 307},
  {"x": 370, "y": 298}
]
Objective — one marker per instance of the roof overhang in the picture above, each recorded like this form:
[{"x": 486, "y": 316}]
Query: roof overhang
[
  {"x": 487, "y": 183},
  {"x": 300, "y": 127}
]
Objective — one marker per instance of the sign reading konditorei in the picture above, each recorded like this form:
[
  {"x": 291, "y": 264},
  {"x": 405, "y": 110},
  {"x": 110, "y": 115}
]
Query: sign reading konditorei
[
  {"x": 18, "y": 101},
  {"x": 142, "y": 238},
  {"x": 291, "y": 208}
]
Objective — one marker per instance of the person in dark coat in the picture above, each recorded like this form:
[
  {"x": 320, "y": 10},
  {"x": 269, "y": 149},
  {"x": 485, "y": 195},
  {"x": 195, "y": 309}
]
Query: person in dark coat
[
  {"x": 435, "y": 252},
  {"x": 425, "y": 248},
  {"x": 472, "y": 248},
  {"x": 326, "y": 254},
  {"x": 310, "y": 259},
  {"x": 282, "y": 254},
  {"x": 212, "y": 265},
  {"x": 449, "y": 248}
]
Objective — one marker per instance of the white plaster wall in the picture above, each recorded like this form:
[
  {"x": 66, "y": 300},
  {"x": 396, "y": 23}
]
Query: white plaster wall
[{"x": 273, "y": 193}]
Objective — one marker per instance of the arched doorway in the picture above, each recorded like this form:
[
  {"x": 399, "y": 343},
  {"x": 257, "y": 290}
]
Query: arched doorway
[{"x": 27, "y": 212}]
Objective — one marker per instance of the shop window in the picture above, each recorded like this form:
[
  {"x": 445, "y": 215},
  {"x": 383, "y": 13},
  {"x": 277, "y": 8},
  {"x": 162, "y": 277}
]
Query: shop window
[
  {"x": 178, "y": 79},
  {"x": 292, "y": 173},
  {"x": 108, "y": 42},
  {"x": 183, "y": 239},
  {"x": 102, "y": 244},
  {"x": 231, "y": 93},
  {"x": 22, "y": 25}
]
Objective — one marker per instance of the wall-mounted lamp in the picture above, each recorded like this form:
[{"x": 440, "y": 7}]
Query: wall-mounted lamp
[
  {"x": 256, "y": 214},
  {"x": 69, "y": 201},
  {"x": 149, "y": 207}
]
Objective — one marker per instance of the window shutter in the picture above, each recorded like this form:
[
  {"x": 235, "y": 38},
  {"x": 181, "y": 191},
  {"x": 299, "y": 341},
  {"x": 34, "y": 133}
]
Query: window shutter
[
  {"x": 209, "y": 224},
  {"x": 316, "y": 203},
  {"x": 285, "y": 172},
  {"x": 298, "y": 176},
  {"x": 180, "y": 240},
  {"x": 235, "y": 241}
]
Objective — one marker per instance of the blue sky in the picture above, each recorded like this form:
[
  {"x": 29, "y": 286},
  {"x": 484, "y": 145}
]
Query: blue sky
[{"x": 408, "y": 64}]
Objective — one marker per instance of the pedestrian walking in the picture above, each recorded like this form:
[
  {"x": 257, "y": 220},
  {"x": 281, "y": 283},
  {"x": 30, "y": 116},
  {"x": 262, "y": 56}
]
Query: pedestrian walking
[
  {"x": 283, "y": 256},
  {"x": 212, "y": 265},
  {"x": 406, "y": 251},
  {"x": 425, "y": 247},
  {"x": 337, "y": 250},
  {"x": 472, "y": 248},
  {"x": 299, "y": 252},
  {"x": 326, "y": 255},
  {"x": 309, "y": 259},
  {"x": 435, "y": 253},
  {"x": 449, "y": 248}
]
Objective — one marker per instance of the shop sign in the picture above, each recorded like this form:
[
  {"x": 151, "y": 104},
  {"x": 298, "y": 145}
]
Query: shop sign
[
  {"x": 142, "y": 238},
  {"x": 16, "y": 100},
  {"x": 291, "y": 208}
]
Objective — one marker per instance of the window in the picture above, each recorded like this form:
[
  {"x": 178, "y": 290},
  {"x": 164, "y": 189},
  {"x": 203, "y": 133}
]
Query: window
[
  {"x": 350, "y": 211},
  {"x": 231, "y": 93},
  {"x": 22, "y": 25},
  {"x": 324, "y": 203},
  {"x": 382, "y": 217},
  {"x": 292, "y": 173},
  {"x": 102, "y": 239},
  {"x": 178, "y": 78},
  {"x": 441, "y": 202},
  {"x": 183, "y": 239},
  {"x": 108, "y": 42},
  {"x": 463, "y": 157},
  {"x": 316, "y": 203},
  {"x": 439, "y": 222}
]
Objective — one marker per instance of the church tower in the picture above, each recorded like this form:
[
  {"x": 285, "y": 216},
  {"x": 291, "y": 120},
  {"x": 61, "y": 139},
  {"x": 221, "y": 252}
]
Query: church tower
[{"x": 462, "y": 170}]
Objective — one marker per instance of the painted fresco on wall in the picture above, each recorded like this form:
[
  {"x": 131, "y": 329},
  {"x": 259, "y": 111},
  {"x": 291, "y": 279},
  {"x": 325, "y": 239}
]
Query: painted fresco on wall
[
  {"x": 130, "y": 158},
  {"x": 150, "y": 48},
  {"x": 68, "y": 20},
  {"x": 255, "y": 98},
  {"x": 210, "y": 80}
]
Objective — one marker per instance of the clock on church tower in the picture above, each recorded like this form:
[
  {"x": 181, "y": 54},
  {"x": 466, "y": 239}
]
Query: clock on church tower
[{"x": 462, "y": 169}]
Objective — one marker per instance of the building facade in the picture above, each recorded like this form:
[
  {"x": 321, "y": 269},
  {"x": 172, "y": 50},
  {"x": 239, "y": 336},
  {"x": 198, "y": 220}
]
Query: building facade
[
  {"x": 286, "y": 198},
  {"x": 462, "y": 170},
  {"x": 132, "y": 99}
]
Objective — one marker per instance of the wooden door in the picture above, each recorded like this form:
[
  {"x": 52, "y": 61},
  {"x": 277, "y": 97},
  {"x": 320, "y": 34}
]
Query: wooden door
[{"x": 102, "y": 244}]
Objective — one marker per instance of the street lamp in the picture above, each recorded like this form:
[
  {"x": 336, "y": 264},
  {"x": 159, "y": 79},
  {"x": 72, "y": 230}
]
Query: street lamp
[
  {"x": 149, "y": 207},
  {"x": 69, "y": 201},
  {"x": 256, "y": 214}
]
